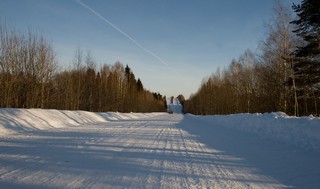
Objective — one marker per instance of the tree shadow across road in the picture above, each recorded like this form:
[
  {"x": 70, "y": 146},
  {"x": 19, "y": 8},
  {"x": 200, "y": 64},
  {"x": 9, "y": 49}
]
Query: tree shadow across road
[
  {"x": 287, "y": 164},
  {"x": 169, "y": 151}
]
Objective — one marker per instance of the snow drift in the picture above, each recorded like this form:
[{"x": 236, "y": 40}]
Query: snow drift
[
  {"x": 22, "y": 120},
  {"x": 300, "y": 131}
]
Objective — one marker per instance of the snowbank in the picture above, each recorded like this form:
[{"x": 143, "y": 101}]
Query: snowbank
[
  {"x": 301, "y": 131},
  {"x": 22, "y": 120}
]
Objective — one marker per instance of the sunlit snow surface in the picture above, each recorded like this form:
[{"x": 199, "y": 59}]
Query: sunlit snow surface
[{"x": 78, "y": 149}]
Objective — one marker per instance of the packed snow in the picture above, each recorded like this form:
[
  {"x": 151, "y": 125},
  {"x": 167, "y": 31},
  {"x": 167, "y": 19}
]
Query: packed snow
[
  {"x": 300, "y": 131},
  {"x": 78, "y": 149}
]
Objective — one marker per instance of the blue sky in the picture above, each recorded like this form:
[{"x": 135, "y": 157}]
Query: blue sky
[{"x": 171, "y": 45}]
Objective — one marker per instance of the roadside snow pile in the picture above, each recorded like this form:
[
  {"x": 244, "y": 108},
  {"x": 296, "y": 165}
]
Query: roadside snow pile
[
  {"x": 22, "y": 120},
  {"x": 303, "y": 131},
  {"x": 299, "y": 131}
]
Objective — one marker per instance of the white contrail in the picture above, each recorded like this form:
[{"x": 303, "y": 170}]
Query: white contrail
[{"x": 122, "y": 32}]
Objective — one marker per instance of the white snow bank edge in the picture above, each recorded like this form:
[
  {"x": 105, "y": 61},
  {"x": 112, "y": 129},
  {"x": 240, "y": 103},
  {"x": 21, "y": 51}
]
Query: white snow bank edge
[
  {"x": 299, "y": 131},
  {"x": 22, "y": 120}
]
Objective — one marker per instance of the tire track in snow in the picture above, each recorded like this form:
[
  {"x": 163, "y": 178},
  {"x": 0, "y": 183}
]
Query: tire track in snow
[
  {"x": 152, "y": 180},
  {"x": 148, "y": 153}
]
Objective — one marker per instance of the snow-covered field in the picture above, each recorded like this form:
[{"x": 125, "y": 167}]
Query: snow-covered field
[{"x": 78, "y": 149}]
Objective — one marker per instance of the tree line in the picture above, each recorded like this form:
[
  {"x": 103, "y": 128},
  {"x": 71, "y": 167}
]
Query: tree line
[
  {"x": 30, "y": 78},
  {"x": 283, "y": 76}
]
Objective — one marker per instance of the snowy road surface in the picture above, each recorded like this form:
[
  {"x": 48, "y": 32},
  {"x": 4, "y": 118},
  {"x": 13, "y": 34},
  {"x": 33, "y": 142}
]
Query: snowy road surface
[{"x": 163, "y": 151}]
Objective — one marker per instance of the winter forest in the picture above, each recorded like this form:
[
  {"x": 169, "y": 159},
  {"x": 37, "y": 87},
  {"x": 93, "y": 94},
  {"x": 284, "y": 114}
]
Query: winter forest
[
  {"x": 30, "y": 78},
  {"x": 283, "y": 75}
]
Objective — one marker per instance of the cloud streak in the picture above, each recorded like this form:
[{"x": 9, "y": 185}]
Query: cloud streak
[{"x": 122, "y": 32}]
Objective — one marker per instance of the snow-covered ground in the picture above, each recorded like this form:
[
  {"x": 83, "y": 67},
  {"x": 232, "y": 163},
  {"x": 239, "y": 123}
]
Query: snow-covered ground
[{"x": 78, "y": 149}]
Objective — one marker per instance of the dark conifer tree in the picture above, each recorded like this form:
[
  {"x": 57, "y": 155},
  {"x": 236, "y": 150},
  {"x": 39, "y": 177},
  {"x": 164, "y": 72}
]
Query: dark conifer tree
[
  {"x": 139, "y": 85},
  {"x": 306, "y": 61},
  {"x": 308, "y": 23}
]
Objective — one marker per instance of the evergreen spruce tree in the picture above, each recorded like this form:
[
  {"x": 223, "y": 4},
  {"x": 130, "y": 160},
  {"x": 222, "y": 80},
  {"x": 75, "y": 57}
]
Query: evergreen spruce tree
[
  {"x": 139, "y": 85},
  {"x": 306, "y": 61},
  {"x": 308, "y": 23}
]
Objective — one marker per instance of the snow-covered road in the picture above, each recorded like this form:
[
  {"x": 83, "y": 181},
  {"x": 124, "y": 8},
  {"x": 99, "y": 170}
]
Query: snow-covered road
[{"x": 161, "y": 151}]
